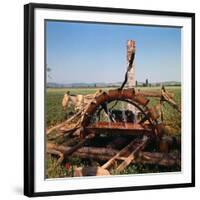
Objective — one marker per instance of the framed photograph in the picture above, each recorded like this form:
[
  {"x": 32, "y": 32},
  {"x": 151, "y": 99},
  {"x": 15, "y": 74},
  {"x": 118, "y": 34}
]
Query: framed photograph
[{"x": 109, "y": 99}]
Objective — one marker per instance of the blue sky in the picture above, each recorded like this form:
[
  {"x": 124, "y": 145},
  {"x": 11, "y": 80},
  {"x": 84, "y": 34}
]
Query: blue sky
[{"x": 89, "y": 52}]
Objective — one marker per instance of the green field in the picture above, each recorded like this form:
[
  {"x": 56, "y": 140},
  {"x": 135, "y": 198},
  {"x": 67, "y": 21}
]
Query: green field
[{"x": 55, "y": 114}]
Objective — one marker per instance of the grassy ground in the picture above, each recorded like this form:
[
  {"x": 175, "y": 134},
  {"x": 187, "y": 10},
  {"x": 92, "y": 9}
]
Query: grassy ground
[{"x": 55, "y": 115}]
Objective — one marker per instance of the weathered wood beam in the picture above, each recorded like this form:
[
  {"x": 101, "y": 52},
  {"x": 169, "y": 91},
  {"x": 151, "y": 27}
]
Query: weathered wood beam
[
  {"x": 133, "y": 155},
  {"x": 119, "y": 154},
  {"x": 124, "y": 128},
  {"x": 63, "y": 123},
  {"x": 80, "y": 144},
  {"x": 105, "y": 154},
  {"x": 84, "y": 150},
  {"x": 163, "y": 159}
]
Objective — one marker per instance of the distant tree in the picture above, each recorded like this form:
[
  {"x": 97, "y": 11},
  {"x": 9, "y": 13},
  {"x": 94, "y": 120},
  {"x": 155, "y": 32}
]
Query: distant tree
[
  {"x": 147, "y": 83},
  {"x": 48, "y": 69},
  {"x": 136, "y": 83}
]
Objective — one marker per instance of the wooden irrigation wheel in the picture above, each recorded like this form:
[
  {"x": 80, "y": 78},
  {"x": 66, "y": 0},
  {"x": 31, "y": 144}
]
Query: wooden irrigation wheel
[{"x": 147, "y": 125}]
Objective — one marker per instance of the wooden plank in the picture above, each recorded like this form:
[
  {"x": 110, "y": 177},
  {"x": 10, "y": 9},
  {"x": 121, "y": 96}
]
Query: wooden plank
[
  {"x": 48, "y": 131},
  {"x": 132, "y": 156},
  {"x": 80, "y": 144},
  {"x": 112, "y": 160},
  {"x": 121, "y": 128},
  {"x": 84, "y": 150}
]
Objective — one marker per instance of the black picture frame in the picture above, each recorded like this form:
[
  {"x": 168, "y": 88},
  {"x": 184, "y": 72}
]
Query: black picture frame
[{"x": 29, "y": 96}]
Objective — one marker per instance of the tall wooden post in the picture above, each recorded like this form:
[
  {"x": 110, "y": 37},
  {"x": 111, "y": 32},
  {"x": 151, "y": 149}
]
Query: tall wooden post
[
  {"x": 131, "y": 80},
  {"x": 130, "y": 62}
]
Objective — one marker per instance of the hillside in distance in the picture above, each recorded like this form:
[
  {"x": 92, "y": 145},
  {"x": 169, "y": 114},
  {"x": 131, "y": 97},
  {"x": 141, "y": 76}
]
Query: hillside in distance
[{"x": 102, "y": 84}]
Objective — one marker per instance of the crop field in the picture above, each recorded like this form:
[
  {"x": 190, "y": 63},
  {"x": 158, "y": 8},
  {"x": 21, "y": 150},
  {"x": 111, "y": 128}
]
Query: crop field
[{"x": 55, "y": 114}]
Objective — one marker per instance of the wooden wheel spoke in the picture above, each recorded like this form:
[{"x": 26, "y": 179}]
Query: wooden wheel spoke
[{"x": 144, "y": 119}]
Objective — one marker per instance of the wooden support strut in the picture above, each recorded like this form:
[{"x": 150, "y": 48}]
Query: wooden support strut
[
  {"x": 126, "y": 161},
  {"x": 80, "y": 144},
  {"x": 132, "y": 155},
  {"x": 111, "y": 161}
]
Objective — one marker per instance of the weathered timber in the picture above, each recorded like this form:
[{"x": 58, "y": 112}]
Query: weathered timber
[
  {"x": 166, "y": 97},
  {"x": 120, "y": 128},
  {"x": 63, "y": 123},
  {"x": 119, "y": 154},
  {"x": 65, "y": 130},
  {"x": 105, "y": 154},
  {"x": 98, "y": 157},
  {"x": 153, "y": 94},
  {"x": 80, "y": 144},
  {"x": 71, "y": 141},
  {"x": 57, "y": 153},
  {"x": 155, "y": 111},
  {"x": 130, "y": 78},
  {"x": 131, "y": 69},
  {"x": 80, "y": 115},
  {"x": 163, "y": 159},
  {"x": 132, "y": 155},
  {"x": 84, "y": 150}
]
